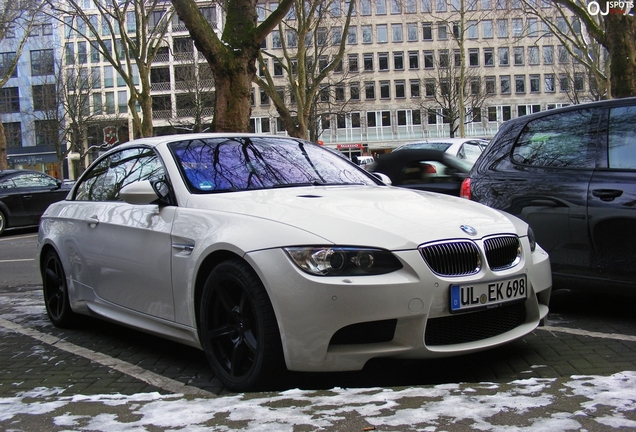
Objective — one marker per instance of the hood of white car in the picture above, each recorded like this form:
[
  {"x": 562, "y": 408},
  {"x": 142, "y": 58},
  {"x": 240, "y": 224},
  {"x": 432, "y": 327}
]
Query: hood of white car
[{"x": 389, "y": 217}]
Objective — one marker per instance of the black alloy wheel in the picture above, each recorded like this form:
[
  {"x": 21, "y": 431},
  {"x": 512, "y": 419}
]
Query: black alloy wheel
[
  {"x": 56, "y": 299},
  {"x": 239, "y": 331}
]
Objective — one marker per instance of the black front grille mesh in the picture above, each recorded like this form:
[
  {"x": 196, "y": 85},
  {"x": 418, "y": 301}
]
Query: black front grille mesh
[
  {"x": 474, "y": 326},
  {"x": 453, "y": 258},
  {"x": 462, "y": 257},
  {"x": 502, "y": 252}
]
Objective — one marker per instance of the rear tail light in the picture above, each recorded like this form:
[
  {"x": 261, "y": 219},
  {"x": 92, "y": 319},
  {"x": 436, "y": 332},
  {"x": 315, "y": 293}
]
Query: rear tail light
[
  {"x": 429, "y": 169},
  {"x": 464, "y": 191}
]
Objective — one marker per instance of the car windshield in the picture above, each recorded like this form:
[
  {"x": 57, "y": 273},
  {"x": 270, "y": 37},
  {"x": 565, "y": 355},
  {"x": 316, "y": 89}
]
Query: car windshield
[
  {"x": 246, "y": 163},
  {"x": 426, "y": 146}
]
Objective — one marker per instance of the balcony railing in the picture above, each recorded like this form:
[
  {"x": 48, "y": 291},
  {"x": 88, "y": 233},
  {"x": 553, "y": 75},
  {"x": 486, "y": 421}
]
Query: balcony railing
[
  {"x": 160, "y": 86},
  {"x": 161, "y": 114}
]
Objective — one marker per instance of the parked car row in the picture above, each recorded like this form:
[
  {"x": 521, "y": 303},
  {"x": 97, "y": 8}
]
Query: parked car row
[{"x": 270, "y": 253}]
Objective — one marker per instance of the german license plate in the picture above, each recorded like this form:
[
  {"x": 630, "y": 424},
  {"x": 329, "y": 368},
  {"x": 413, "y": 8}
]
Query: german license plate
[{"x": 487, "y": 294}]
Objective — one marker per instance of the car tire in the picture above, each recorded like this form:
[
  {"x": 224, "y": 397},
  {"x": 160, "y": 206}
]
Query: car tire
[
  {"x": 239, "y": 332},
  {"x": 3, "y": 222},
  {"x": 55, "y": 290}
]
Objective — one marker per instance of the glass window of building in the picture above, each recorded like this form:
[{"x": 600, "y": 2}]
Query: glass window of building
[
  {"x": 520, "y": 83},
  {"x": 548, "y": 83},
  {"x": 518, "y": 53},
  {"x": 352, "y": 35},
  {"x": 415, "y": 88},
  {"x": 383, "y": 61},
  {"x": 489, "y": 57},
  {"x": 414, "y": 60},
  {"x": 354, "y": 91},
  {"x": 367, "y": 34},
  {"x": 504, "y": 56},
  {"x": 517, "y": 27},
  {"x": 548, "y": 55},
  {"x": 442, "y": 31},
  {"x": 535, "y": 83},
  {"x": 382, "y": 35},
  {"x": 486, "y": 29},
  {"x": 397, "y": 33},
  {"x": 380, "y": 7},
  {"x": 411, "y": 32},
  {"x": 368, "y": 62},
  {"x": 398, "y": 60},
  {"x": 365, "y": 7},
  {"x": 504, "y": 83},
  {"x": 400, "y": 89},
  {"x": 429, "y": 62},
  {"x": 353, "y": 62},
  {"x": 502, "y": 28},
  {"x": 369, "y": 90}
]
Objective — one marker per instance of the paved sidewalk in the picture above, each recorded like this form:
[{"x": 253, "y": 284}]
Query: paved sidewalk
[{"x": 106, "y": 377}]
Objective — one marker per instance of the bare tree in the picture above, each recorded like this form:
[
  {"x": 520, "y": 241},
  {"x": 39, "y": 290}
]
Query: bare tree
[
  {"x": 456, "y": 81},
  {"x": 231, "y": 57},
  {"x": 616, "y": 31},
  {"x": 456, "y": 94},
  {"x": 128, "y": 34},
  {"x": 194, "y": 84},
  {"x": 16, "y": 21},
  {"x": 578, "y": 44},
  {"x": 312, "y": 47},
  {"x": 63, "y": 117}
]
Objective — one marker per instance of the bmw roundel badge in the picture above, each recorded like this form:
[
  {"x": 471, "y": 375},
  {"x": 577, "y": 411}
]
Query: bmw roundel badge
[{"x": 468, "y": 230}]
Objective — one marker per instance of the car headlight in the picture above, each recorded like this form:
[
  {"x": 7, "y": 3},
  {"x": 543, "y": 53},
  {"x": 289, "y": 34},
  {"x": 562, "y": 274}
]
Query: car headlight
[
  {"x": 343, "y": 261},
  {"x": 532, "y": 239}
]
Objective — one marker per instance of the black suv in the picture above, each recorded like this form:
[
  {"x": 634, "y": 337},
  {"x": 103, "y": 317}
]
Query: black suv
[{"x": 571, "y": 174}]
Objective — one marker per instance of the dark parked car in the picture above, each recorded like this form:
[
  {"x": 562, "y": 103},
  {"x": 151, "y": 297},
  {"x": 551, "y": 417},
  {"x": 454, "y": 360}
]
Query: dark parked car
[
  {"x": 429, "y": 170},
  {"x": 571, "y": 174},
  {"x": 24, "y": 195}
]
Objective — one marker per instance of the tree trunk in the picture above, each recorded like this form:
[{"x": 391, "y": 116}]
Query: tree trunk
[
  {"x": 620, "y": 37},
  {"x": 233, "y": 104}
]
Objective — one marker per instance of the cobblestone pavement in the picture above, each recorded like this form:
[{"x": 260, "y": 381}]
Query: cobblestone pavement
[{"x": 574, "y": 374}]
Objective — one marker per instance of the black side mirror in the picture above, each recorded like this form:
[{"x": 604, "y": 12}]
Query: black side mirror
[{"x": 164, "y": 192}]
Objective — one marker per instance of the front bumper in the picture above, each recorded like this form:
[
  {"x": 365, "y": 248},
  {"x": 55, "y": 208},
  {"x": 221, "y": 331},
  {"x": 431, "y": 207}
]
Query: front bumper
[{"x": 339, "y": 323}]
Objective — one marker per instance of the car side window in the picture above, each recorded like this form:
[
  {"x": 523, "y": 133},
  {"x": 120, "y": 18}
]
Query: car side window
[
  {"x": 469, "y": 151},
  {"x": 622, "y": 138},
  {"x": 106, "y": 179},
  {"x": 565, "y": 140},
  {"x": 32, "y": 180},
  {"x": 7, "y": 184}
]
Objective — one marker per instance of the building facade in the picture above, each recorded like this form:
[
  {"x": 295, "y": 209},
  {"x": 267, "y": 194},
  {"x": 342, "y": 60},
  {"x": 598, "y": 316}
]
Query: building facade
[{"x": 383, "y": 94}]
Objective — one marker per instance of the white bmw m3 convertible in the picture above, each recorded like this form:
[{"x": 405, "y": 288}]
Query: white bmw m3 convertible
[{"x": 269, "y": 252}]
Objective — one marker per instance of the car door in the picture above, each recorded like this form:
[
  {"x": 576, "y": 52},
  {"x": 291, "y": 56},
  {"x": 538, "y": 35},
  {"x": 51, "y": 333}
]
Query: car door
[
  {"x": 38, "y": 191},
  {"x": 543, "y": 178},
  {"x": 612, "y": 200},
  {"x": 125, "y": 248},
  {"x": 11, "y": 203}
]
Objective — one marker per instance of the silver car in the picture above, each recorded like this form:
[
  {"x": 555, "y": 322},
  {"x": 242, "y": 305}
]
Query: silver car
[{"x": 269, "y": 252}]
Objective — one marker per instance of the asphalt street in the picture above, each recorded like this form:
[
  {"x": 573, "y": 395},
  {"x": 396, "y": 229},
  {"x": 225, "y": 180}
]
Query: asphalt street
[{"x": 576, "y": 373}]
